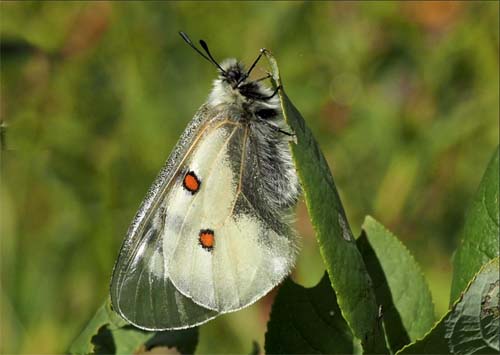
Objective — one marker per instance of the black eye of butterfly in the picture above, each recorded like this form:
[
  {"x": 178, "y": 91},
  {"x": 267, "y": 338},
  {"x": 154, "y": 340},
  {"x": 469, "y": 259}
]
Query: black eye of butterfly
[
  {"x": 266, "y": 113},
  {"x": 232, "y": 75}
]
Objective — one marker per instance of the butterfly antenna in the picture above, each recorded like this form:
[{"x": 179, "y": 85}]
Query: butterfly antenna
[
  {"x": 247, "y": 74},
  {"x": 186, "y": 39},
  {"x": 204, "y": 45}
]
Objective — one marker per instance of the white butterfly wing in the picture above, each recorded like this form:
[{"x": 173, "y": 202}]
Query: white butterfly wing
[
  {"x": 253, "y": 248},
  {"x": 146, "y": 297},
  {"x": 165, "y": 276},
  {"x": 141, "y": 289}
]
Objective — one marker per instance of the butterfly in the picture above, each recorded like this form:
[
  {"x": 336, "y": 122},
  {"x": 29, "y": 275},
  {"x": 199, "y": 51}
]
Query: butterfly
[{"x": 213, "y": 234}]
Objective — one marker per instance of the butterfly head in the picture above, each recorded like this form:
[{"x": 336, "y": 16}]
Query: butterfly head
[
  {"x": 233, "y": 86},
  {"x": 233, "y": 73}
]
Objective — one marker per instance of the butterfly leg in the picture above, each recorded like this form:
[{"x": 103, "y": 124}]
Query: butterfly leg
[{"x": 275, "y": 128}]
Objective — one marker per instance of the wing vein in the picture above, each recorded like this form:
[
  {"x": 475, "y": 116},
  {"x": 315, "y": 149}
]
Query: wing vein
[
  {"x": 229, "y": 244},
  {"x": 188, "y": 209},
  {"x": 156, "y": 200},
  {"x": 126, "y": 267},
  {"x": 136, "y": 295},
  {"x": 146, "y": 237},
  {"x": 150, "y": 283},
  {"x": 225, "y": 122}
]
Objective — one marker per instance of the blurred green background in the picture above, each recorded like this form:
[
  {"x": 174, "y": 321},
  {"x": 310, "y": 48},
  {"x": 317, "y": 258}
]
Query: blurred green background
[{"x": 403, "y": 98}]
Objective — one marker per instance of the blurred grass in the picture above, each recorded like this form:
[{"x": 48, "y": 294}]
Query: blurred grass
[{"x": 403, "y": 98}]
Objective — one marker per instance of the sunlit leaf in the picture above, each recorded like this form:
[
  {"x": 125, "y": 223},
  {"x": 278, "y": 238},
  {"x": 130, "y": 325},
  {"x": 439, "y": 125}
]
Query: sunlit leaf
[
  {"x": 343, "y": 261},
  {"x": 400, "y": 287},
  {"x": 472, "y": 325},
  {"x": 480, "y": 236},
  {"x": 83, "y": 343}
]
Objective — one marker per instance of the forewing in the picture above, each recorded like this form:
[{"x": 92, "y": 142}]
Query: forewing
[
  {"x": 254, "y": 247},
  {"x": 141, "y": 289}
]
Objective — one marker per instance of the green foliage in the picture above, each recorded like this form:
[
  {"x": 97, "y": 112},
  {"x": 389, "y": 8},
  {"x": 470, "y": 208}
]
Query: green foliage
[
  {"x": 401, "y": 289},
  {"x": 480, "y": 238},
  {"x": 308, "y": 321},
  {"x": 107, "y": 333},
  {"x": 83, "y": 343},
  {"x": 402, "y": 97},
  {"x": 472, "y": 324},
  {"x": 337, "y": 245},
  {"x": 319, "y": 320}
]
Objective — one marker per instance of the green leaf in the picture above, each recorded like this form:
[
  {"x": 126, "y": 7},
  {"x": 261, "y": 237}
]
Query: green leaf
[
  {"x": 107, "y": 333},
  {"x": 400, "y": 287},
  {"x": 480, "y": 237},
  {"x": 308, "y": 320},
  {"x": 472, "y": 326},
  {"x": 83, "y": 344},
  {"x": 344, "y": 263}
]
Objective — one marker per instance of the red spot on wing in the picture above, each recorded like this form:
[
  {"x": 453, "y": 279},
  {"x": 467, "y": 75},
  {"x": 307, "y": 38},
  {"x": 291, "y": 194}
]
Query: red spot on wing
[
  {"x": 191, "y": 182},
  {"x": 207, "y": 239}
]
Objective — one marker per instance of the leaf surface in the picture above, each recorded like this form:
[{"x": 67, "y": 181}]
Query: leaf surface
[
  {"x": 480, "y": 236},
  {"x": 400, "y": 287},
  {"x": 472, "y": 325},
  {"x": 345, "y": 266},
  {"x": 107, "y": 333},
  {"x": 308, "y": 321}
]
